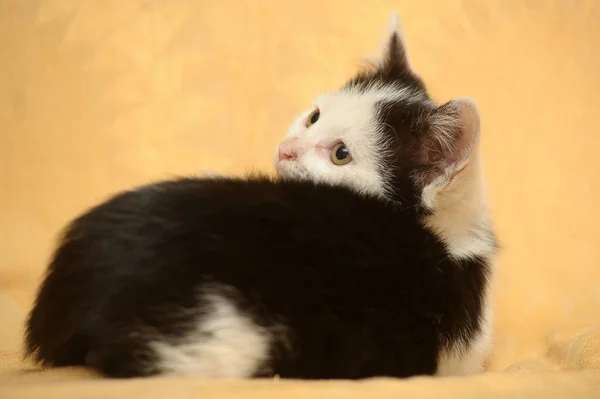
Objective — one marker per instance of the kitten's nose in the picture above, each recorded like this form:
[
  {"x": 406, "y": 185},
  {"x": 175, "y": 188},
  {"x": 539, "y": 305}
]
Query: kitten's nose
[
  {"x": 287, "y": 151},
  {"x": 286, "y": 154}
]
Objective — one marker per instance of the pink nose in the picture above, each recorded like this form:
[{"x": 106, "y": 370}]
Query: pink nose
[
  {"x": 287, "y": 150},
  {"x": 286, "y": 154}
]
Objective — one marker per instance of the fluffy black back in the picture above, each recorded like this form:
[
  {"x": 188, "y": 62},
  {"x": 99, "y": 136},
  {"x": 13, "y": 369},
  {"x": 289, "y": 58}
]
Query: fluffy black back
[{"x": 348, "y": 286}]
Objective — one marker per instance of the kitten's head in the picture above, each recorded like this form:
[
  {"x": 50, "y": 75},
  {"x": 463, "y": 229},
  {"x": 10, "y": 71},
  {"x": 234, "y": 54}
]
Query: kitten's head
[{"x": 382, "y": 134}]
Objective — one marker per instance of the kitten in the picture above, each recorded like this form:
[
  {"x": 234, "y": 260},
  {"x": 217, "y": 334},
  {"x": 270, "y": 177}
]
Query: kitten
[{"x": 368, "y": 255}]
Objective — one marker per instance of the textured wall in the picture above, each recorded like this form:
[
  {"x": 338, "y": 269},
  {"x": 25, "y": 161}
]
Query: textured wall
[{"x": 97, "y": 96}]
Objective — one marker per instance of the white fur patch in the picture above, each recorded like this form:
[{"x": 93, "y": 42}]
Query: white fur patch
[
  {"x": 223, "y": 344},
  {"x": 460, "y": 212}
]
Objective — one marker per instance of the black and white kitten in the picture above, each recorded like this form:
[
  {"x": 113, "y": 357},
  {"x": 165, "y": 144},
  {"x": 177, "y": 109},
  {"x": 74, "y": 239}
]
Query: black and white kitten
[{"x": 369, "y": 255}]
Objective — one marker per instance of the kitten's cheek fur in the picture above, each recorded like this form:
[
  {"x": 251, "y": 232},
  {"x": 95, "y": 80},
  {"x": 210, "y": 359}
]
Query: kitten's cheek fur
[{"x": 292, "y": 169}]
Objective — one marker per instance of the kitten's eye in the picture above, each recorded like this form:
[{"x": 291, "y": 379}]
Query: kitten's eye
[
  {"x": 340, "y": 154},
  {"x": 313, "y": 117}
]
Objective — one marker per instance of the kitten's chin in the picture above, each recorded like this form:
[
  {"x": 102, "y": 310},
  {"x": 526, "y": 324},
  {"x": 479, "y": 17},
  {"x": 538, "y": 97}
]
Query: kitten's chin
[{"x": 290, "y": 170}]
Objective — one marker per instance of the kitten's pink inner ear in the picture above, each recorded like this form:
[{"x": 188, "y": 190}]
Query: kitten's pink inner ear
[
  {"x": 470, "y": 123},
  {"x": 455, "y": 131}
]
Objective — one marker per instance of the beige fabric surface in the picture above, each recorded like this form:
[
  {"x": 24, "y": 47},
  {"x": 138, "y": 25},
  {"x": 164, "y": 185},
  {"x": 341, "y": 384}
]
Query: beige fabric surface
[{"x": 99, "y": 95}]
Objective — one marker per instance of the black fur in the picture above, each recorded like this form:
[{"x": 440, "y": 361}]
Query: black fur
[{"x": 360, "y": 286}]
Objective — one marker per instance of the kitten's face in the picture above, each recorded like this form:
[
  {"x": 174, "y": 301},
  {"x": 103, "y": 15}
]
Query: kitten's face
[
  {"x": 380, "y": 134},
  {"x": 341, "y": 140}
]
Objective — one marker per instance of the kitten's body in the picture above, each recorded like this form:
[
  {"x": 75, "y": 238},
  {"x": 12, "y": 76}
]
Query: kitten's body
[
  {"x": 374, "y": 267},
  {"x": 332, "y": 284}
]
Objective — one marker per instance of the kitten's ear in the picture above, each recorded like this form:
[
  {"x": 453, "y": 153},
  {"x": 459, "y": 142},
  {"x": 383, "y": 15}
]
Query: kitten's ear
[
  {"x": 393, "y": 57},
  {"x": 451, "y": 140}
]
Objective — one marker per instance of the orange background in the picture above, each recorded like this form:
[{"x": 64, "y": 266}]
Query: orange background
[{"x": 98, "y": 96}]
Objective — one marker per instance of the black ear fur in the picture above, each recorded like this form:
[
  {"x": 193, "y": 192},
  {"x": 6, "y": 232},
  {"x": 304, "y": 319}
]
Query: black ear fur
[
  {"x": 390, "y": 66},
  {"x": 395, "y": 58}
]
